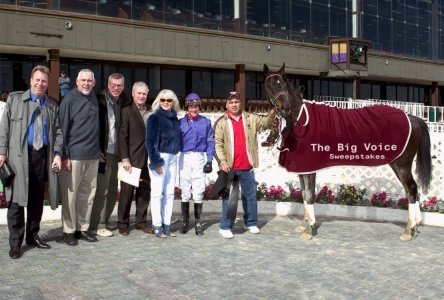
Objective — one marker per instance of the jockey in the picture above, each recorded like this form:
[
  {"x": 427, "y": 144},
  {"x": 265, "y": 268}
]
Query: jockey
[{"x": 197, "y": 151}]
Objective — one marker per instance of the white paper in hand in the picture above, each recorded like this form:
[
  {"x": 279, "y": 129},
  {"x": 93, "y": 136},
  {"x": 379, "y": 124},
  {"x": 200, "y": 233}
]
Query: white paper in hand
[{"x": 133, "y": 178}]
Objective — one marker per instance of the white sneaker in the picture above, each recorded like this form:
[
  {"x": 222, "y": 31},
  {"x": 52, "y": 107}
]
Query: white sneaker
[
  {"x": 253, "y": 229},
  {"x": 226, "y": 233},
  {"x": 104, "y": 232}
]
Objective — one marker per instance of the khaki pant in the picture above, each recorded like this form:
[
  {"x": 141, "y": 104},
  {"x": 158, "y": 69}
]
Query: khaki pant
[
  {"x": 78, "y": 190},
  {"x": 105, "y": 199}
]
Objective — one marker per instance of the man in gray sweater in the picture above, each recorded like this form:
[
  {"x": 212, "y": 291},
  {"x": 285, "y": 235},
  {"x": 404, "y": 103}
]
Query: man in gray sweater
[{"x": 79, "y": 120}]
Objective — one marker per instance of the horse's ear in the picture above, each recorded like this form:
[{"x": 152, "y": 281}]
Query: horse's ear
[
  {"x": 282, "y": 69},
  {"x": 266, "y": 69}
]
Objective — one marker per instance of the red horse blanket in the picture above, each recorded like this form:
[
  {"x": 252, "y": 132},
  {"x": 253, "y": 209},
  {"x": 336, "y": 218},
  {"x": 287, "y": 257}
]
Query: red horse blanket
[{"x": 326, "y": 136}]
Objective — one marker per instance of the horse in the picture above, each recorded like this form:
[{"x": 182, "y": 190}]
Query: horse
[{"x": 291, "y": 109}]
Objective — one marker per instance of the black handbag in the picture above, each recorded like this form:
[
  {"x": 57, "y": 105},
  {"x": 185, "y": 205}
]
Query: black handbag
[{"x": 6, "y": 174}]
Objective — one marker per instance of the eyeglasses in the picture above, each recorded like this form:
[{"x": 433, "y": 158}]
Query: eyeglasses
[
  {"x": 166, "y": 100},
  {"x": 116, "y": 86}
]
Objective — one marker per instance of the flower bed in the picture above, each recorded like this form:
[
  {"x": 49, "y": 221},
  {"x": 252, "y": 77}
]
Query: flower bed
[{"x": 346, "y": 195}]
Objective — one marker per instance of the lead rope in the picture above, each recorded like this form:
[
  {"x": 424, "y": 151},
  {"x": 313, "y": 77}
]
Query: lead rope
[{"x": 280, "y": 141}]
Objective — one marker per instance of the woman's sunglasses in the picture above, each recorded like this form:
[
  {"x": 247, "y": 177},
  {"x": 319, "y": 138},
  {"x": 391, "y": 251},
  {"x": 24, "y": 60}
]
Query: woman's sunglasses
[{"x": 166, "y": 100}]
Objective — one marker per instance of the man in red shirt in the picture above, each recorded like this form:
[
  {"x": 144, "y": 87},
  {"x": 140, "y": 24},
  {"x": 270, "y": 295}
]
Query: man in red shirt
[{"x": 235, "y": 136}]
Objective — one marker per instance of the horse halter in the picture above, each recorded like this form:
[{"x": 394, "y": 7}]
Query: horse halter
[{"x": 272, "y": 98}]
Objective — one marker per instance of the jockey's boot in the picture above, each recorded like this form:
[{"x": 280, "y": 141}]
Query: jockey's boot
[
  {"x": 185, "y": 217},
  {"x": 197, "y": 214}
]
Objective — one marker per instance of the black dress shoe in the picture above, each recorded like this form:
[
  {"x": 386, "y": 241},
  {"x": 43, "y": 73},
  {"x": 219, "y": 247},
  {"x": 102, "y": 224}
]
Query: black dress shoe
[
  {"x": 77, "y": 234},
  {"x": 36, "y": 241},
  {"x": 15, "y": 253},
  {"x": 69, "y": 239},
  {"x": 88, "y": 237}
]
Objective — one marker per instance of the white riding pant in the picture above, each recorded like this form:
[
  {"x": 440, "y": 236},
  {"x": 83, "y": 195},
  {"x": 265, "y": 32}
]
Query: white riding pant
[
  {"x": 162, "y": 190},
  {"x": 191, "y": 176}
]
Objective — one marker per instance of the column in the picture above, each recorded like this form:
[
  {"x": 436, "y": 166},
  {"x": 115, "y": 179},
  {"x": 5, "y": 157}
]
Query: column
[
  {"x": 54, "y": 66},
  {"x": 356, "y": 88},
  {"x": 240, "y": 82},
  {"x": 435, "y": 94}
]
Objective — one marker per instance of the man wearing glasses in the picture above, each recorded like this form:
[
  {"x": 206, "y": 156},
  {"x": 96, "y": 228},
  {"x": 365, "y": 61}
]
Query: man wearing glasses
[
  {"x": 235, "y": 136},
  {"x": 109, "y": 117}
]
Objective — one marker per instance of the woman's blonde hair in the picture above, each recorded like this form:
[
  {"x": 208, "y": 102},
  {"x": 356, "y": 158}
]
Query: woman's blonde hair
[{"x": 166, "y": 94}]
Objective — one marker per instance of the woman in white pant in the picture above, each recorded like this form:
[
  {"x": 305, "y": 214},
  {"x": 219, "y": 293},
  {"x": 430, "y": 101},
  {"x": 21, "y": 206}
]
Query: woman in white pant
[
  {"x": 197, "y": 151},
  {"x": 163, "y": 143}
]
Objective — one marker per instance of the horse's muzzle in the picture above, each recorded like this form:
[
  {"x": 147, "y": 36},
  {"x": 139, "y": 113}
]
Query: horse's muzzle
[{"x": 284, "y": 112}]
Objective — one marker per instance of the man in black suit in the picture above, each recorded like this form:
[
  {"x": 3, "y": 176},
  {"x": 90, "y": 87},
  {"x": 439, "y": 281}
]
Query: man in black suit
[{"x": 133, "y": 153}]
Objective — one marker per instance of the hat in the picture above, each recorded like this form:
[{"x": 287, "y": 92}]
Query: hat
[
  {"x": 233, "y": 94},
  {"x": 192, "y": 98}
]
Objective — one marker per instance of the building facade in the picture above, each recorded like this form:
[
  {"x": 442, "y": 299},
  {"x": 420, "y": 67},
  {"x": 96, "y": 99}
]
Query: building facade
[{"x": 211, "y": 47}]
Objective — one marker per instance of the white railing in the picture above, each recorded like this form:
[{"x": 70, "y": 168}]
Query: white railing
[{"x": 432, "y": 114}]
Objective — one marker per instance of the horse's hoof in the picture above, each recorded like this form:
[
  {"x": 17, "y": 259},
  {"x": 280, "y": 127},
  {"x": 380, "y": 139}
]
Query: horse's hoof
[
  {"x": 406, "y": 236},
  {"x": 306, "y": 236},
  {"x": 299, "y": 228}
]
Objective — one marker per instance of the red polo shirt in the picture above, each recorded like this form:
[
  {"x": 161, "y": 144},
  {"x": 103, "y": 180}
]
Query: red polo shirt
[{"x": 240, "y": 161}]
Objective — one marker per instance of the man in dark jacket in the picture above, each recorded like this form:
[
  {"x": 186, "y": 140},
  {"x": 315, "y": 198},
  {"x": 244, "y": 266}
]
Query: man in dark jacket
[
  {"x": 31, "y": 142},
  {"x": 109, "y": 116},
  {"x": 134, "y": 154},
  {"x": 79, "y": 120}
]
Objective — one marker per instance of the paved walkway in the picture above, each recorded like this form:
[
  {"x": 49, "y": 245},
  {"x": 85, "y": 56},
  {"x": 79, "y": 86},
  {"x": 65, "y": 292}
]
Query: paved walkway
[{"x": 348, "y": 259}]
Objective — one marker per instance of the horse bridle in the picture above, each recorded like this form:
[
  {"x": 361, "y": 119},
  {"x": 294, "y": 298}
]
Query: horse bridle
[{"x": 272, "y": 99}]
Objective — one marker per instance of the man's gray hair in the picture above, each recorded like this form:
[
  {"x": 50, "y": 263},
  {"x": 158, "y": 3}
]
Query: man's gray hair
[
  {"x": 86, "y": 71},
  {"x": 140, "y": 84}
]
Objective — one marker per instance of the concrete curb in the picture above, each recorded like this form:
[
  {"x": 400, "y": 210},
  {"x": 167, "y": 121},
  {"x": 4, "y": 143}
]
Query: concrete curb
[{"x": 370, "y": 213}]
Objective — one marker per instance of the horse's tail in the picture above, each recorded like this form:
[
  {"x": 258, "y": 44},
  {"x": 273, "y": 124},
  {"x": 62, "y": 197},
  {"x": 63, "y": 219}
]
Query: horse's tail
[{"x": 423, "y": 157}]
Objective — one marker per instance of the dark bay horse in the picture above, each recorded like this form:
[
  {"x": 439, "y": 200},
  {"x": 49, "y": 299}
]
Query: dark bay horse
[{"x": 289, "y": 106}]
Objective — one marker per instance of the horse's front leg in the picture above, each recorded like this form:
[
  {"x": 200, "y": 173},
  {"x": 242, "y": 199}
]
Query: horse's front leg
[{"x": 308, "y": 183}]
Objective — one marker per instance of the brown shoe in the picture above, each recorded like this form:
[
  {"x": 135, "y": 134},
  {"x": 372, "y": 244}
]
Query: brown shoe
[
  {"x": 124, "y": 231},
  {"x": 145, "y": 229}
]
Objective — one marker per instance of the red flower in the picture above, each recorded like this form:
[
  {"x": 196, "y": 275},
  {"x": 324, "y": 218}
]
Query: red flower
[
  {"x": 380, "y": 199},
  {"x": 275, "y": 192},
  {"x": 2, "y": 199},
  {"x": 403, "y": 203},
  {"x": 325, "y": 195}
]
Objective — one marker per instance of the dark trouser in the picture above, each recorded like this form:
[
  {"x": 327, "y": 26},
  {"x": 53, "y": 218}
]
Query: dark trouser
[
  {"x": 142, "y": 201},
  {"x": 36, "y": 194}
]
